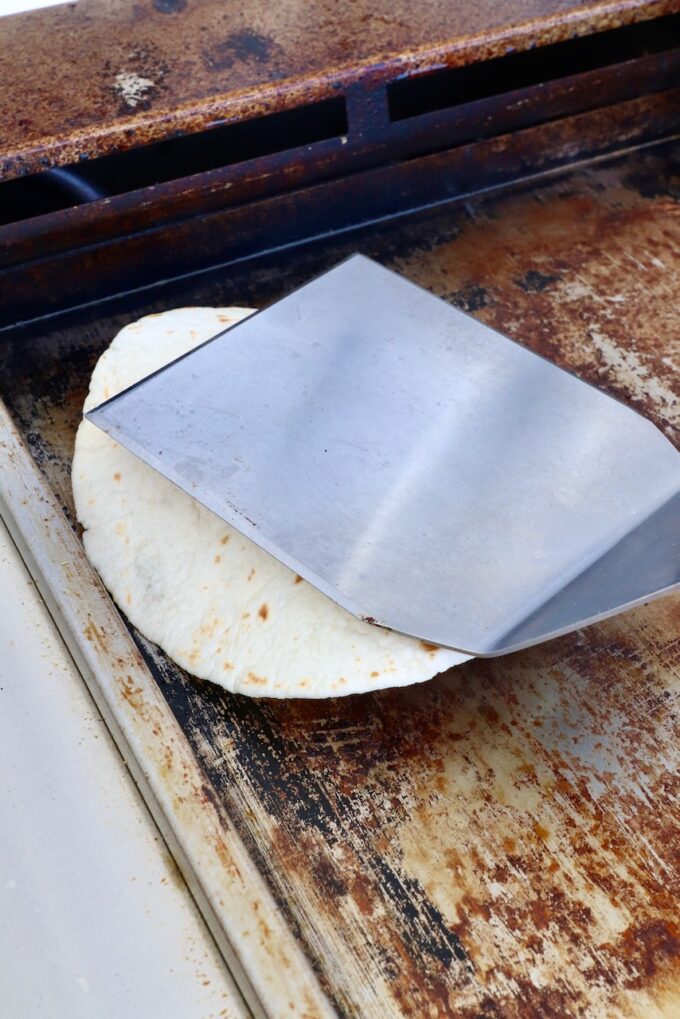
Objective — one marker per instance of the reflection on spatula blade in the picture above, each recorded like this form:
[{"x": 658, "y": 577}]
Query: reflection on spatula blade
[{"x": 421, "y": 469}]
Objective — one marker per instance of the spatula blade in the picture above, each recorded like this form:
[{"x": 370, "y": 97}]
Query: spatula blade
[{"x": 421, "y": 469}]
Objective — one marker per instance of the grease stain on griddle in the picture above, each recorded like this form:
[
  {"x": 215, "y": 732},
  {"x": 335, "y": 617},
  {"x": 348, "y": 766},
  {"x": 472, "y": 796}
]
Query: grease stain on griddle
[
  {"x": 535, "y": 282},
  {"x": 470, "y": 298},
  {"x": 245, "y": 46}
]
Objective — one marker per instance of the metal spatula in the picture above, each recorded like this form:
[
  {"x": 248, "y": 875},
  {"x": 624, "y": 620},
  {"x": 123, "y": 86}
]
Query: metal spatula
[{"x": 424, "y": 471}]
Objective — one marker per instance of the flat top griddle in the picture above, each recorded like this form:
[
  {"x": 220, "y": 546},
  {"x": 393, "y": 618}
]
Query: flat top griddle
[{"x": 501, "y": 841}]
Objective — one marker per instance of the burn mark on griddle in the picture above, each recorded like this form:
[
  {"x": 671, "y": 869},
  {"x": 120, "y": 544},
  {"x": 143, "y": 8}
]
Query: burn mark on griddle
[
  {"x": 241, "y": 47},
  {"x": 535, "y": 282},
  {"x": 424, "y": 922},
  {"x": 470, "y": 298}
]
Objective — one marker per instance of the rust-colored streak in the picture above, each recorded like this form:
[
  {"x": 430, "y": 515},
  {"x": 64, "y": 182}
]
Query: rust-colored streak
[
  {"x": 96, "y": 636},
  {"x": 81, "y": 80},
  {"x": 132, "y": 694}
]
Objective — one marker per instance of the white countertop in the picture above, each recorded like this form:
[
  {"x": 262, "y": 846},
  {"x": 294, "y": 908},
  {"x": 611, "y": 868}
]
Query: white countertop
[{"x": 95, "y": 919}]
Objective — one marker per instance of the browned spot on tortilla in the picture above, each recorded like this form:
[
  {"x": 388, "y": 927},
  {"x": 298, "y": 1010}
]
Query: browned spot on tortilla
[
  {"x": 298, "y": 579},
  {"x": 430, "y": 648},
  {"x": 255, "y": 680},
  {"x": 224, "y": 540},
  {"x": 245, "y": 615},
  {"x": 208, "y": 629},
  {"x": 251, "y": 575},
  {"x": 116, "y": 476},
  {"x": 227, "y": 666},
  {"x": 217, "y": 559},
  {"x": 263, "y": 611},
  {"x": 540, "y": 832},
  {"x": 375, "y": 674},
  {"x": 128, "y": 598}
]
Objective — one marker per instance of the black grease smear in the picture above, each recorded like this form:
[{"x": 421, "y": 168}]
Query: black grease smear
[
  {"x": 535, "y": 282},
  {"x": 241, "y": 47},
  {"x": 470, "y": 298},
  {"x": 272, "y": 757}
]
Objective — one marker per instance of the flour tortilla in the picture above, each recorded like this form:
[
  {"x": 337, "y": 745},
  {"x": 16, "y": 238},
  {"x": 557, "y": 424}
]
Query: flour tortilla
[{"x": 216, "y": 603}]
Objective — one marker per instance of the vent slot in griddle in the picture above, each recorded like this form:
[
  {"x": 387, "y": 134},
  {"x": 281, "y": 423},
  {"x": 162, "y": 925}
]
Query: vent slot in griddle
[
  {"x": 458, "y": 86},
  {"x": 171, "y": 159}
]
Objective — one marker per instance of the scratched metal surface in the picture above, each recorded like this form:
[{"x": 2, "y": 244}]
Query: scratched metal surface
[
  {"x": 503, "y": 841},
  {"x": 85, "y": 79}
]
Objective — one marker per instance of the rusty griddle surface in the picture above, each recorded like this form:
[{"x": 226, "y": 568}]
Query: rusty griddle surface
[
  {"x": 503, "y": 841},
  {"x": 85, "y": 79}
]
